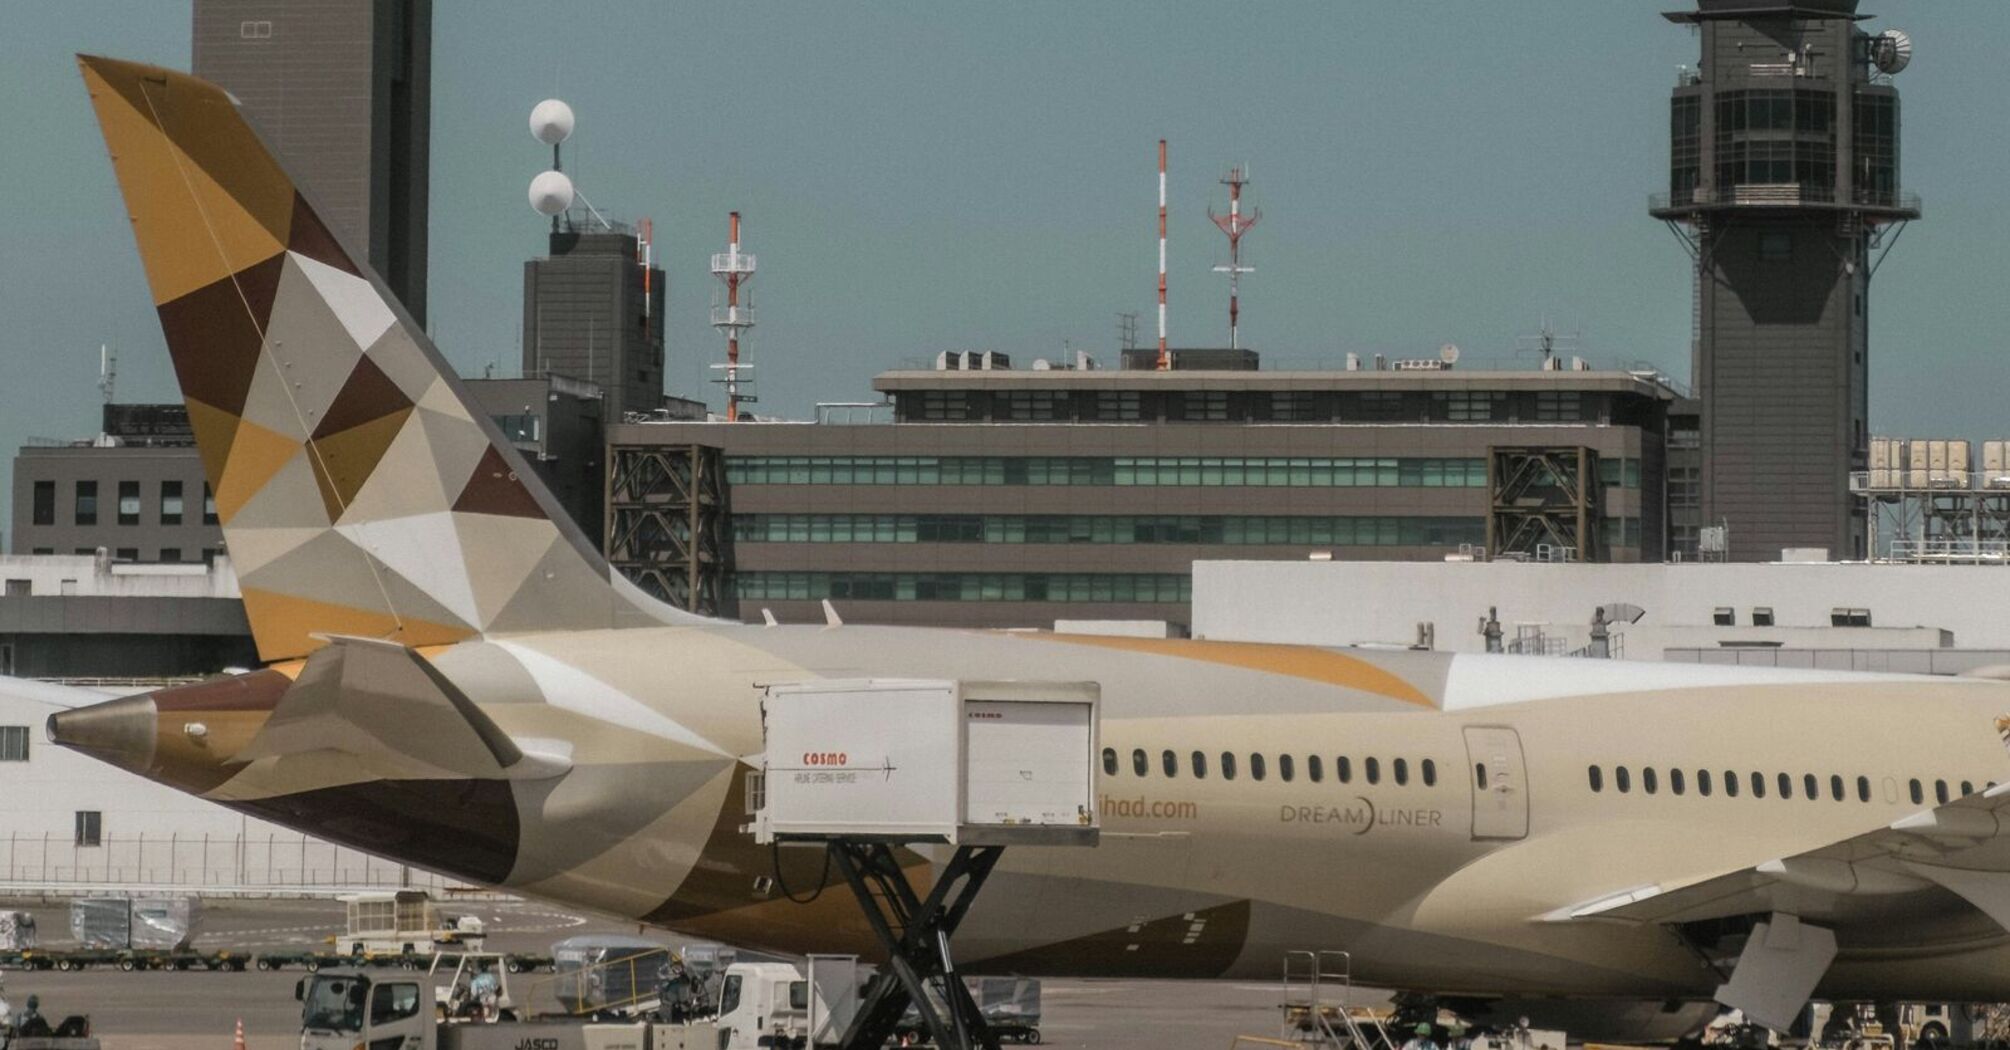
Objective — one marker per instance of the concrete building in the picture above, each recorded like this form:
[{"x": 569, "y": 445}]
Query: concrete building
[
  {"x": 343, "y": 93},
  {"x": 592, "y": 311},
  {"x": 1784, "y": 178},
  {"x": 70, "y": 823},
  {"x": 78, "y": 616},
  {"x": 1926, "y": 618},
  {"x": 137, "y": 489},
  {"x": 1014, "y": 498}
]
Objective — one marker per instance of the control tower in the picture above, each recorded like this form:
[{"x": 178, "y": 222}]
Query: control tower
[{"x": 1783, "y": 181}]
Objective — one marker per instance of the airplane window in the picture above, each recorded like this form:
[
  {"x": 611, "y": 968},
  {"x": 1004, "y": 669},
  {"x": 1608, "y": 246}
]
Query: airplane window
[
  {"x": 1373, "y": 767},
  {"x": 1343, "y": 769},
  {"x": 1786, "y": 786},
  {"x": 1863, "y": 789},
  {"x": 1648, "y": 781},
  {"x": 1110, "y": 761},
  {"x": 1918, "y": 796},
  {"x": 1621, "y": 779},
  {"x": 1139, "y": 764},
  {"x": 1758, "y": 784},
  {"x": 1199, "y": 766},
  {"x": 1675, "y": 783},
  {"x": 1967, "y": 789},
  {"x": 1255, "y": 766},
  {"x": 1730, "y": 784},
  {"x": 1940, "y": 791},
  {"x": 1228, "y": 765},
  {"x": 1402, "y": 770},
  {"x": 1836, "y": 786},
  {"x": 1597, "y": 778},
  {"x": 1170, "y": 763},
  {"x": 1315, "y": 768},
  {"x": 1810, "y": 787},
  {"x": 1430, "y": 773},
  {"x": 1284, "y": 769},
  {"x": 1703, "y": 782}
]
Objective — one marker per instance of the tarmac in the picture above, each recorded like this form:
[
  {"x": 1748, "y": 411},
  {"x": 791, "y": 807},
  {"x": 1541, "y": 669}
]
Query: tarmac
[{"x": 198, "y": 1010}]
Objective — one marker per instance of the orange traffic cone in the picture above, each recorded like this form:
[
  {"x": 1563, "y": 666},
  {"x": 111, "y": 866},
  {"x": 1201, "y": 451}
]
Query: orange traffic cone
[{"x": 237, "y": 1041}]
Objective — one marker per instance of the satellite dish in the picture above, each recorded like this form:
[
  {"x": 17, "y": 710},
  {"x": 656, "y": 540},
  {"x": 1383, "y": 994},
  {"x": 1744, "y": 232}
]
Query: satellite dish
[
  {"x": 1891, "y": 51},
  {"x": 1449, "y": 353},
  {"x": 551, "y": 122},
  {"x": 550, "y": 193}
]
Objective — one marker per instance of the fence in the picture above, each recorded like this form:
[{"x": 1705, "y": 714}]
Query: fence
[{"x": 272, "y": 863}]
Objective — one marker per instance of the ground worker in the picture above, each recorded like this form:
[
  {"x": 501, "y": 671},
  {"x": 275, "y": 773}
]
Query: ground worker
[
  {"x": 30, "y": 1021},
  {"x": 1457, "y": 1039},
  {"x": 1422, "y": 1040}
]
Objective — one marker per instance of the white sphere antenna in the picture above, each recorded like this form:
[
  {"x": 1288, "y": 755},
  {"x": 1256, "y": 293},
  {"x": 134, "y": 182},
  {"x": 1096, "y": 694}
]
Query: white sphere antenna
[
  {"x": 550, "y": 193},
  {"x": 551, "y": 121},
  {"x": 1891, "y": 51},
  {"x": 1449, "y": 353}
]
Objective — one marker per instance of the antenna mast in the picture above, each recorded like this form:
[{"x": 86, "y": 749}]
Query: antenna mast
[
  {"x": 108, "y": 370},
  {"x": 1165, "y": 359},
  {"x": 1235, "y": 224},
  {"x": 734, "y": 317}
]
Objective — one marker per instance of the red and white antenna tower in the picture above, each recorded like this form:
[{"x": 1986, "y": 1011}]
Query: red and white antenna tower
[
  {"x": 734, "y": 268},
  {"x": 1165, "y": 358},
  {"x": 1235, "y": 224}
]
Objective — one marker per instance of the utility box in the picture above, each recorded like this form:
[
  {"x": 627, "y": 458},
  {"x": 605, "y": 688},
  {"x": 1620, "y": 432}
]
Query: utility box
[{"x": 929, "y": 760}]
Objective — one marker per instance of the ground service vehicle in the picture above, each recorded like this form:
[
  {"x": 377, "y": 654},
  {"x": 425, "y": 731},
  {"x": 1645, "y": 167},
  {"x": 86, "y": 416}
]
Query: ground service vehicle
[{"x": 404, "y": 922}]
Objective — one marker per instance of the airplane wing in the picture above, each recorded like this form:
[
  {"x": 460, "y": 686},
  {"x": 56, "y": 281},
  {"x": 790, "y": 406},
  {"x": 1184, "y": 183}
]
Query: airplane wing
[{"x": 1951, "y": 857}]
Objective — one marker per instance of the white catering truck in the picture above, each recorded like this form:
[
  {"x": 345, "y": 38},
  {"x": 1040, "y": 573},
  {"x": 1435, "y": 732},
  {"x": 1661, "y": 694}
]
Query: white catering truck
[{"x": 759, "y": 1005}]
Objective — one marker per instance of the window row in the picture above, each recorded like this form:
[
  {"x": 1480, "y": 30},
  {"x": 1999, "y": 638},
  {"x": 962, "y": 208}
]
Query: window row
[
  {"x": 1342, "y": 472},
  {"x": 965, "y": 586},
  {"x": 1254, "y": 406},
  {"x": 168, "y": 507},
  {"x": 13, "y": 743},
  {"x": 1019, "y": 528},
  {"x": 1783, "y": 785},
  {"x": 1196, "y": 763}
]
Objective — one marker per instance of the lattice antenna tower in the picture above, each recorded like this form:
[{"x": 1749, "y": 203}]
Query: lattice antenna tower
[
  {"x": 1235, "y": 224},
  {"x": 733, "y": 316},
  {"x": 1165, "y": 357}
]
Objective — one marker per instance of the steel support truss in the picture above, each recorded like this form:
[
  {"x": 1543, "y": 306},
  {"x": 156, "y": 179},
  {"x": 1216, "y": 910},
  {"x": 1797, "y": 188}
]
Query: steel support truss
[
  {"x": 914, "y": 931},
  {"x": 1545, "y": 503},
  {"x": 669, "y": 524}
]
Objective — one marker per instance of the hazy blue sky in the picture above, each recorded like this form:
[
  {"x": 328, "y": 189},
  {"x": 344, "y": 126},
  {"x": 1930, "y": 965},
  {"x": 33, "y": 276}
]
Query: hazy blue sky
[{"x": 927, "y": 176}]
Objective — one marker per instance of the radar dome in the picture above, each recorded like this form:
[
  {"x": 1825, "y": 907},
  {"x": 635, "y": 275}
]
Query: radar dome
[
  {"x": 1891, "y": 51},
  {"x": 550, "y": 193},
  {"x": 551, "y": 122}
]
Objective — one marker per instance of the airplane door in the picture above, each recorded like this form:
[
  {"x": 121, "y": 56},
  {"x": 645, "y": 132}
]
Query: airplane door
[{"x": 1500, "y": 782}]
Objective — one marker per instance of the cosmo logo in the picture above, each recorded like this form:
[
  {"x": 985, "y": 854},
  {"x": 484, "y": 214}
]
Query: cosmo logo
[{"x": 825, "y": 758}]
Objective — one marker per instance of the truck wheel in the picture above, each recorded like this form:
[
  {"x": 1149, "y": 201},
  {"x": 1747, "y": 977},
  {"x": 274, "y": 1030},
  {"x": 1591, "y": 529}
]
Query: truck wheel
[
  {"x": 512, "y": 966},
  {"x": 1033, "y": 1036},
  {"x": 1933, "y": 1035},
  {"x": 313, "y": 966},
  {"x": 127, "y": 966},
  {"x": 264, "y": 964}
]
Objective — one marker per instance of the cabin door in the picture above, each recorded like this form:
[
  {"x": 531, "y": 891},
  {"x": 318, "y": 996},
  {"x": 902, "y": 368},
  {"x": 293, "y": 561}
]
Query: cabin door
[{"x": 1500, "y": 782}]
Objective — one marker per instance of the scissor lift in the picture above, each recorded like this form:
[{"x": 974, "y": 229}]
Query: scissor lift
[{"x": 868, "y": 767}]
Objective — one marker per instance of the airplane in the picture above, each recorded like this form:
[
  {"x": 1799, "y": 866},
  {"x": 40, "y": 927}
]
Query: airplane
[{"x": 453, "y": 677}]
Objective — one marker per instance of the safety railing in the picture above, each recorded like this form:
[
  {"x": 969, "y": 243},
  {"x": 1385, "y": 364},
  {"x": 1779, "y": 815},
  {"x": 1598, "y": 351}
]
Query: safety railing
[{"x": 273, "y": 862}]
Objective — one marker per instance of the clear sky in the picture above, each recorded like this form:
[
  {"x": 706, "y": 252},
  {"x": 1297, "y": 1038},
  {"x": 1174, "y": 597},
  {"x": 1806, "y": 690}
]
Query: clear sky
[{"x": 958, "y": 175}]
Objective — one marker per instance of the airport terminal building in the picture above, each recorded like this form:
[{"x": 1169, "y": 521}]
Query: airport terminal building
[{"x": 1013, "y": 498}]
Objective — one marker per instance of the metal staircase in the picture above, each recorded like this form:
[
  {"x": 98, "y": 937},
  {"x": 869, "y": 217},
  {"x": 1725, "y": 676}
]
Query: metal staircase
[{"x": 1317, "y": 1007}]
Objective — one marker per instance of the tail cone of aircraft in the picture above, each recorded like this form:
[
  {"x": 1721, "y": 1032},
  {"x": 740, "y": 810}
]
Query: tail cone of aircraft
[
  {"x": 121, "y": 732},
  {"x": 188, "y": 736}
]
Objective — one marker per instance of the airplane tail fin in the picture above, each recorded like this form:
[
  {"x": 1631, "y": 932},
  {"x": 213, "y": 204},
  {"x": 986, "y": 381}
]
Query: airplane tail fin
[{"x": 360, "y": 491}]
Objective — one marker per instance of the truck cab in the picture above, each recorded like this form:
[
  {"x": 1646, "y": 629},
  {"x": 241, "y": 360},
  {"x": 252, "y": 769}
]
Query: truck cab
[
  {"x": 763, "y": 1004},
  {"x": 345, "y": 1009}
]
